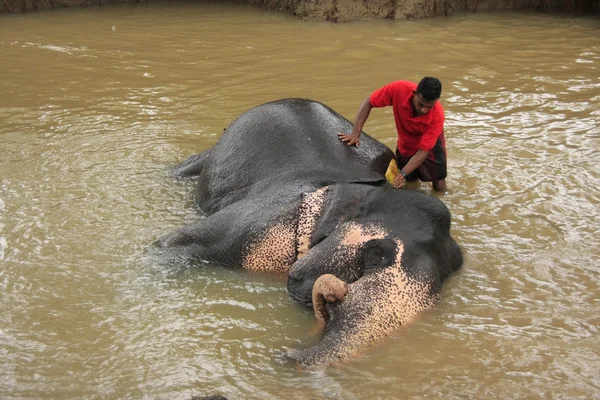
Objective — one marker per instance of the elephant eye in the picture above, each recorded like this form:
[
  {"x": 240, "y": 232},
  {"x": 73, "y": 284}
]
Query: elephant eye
[{"x": 378, "y": 253}]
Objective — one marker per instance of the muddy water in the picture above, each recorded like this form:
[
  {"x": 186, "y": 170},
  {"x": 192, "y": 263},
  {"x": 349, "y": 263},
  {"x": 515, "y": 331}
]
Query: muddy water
[{"x": 97, "y": 103}]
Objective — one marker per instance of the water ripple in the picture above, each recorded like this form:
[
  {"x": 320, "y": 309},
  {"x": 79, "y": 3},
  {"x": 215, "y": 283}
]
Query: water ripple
[{"x": 91, "y": 120}]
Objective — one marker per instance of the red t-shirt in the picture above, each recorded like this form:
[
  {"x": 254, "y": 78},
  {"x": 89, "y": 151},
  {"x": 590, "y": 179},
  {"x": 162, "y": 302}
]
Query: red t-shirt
[{"x": 414, "y": 133}]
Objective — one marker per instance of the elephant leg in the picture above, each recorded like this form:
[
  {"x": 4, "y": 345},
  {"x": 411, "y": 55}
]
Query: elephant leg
[
  {"x": 232, "y": 238},
  {"x": 191, "y": 243},
  {"x": 327, "y": 288},
  {"x": 191, "y": 166},
  {"x": 217, "y": 238}
]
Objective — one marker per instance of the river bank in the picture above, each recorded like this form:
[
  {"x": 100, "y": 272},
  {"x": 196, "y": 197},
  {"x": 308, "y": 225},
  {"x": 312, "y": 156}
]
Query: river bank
[{"x": 349, "y": 10}]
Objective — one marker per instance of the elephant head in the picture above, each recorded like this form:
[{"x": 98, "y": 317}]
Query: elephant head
[{"x": 372, "y": 268}]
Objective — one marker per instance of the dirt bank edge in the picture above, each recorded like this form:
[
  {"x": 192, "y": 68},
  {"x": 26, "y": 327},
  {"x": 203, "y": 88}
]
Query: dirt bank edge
[{"x": 345, "y": 10}]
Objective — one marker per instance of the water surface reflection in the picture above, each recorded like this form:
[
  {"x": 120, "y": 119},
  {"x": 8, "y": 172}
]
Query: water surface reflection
[{"x": 91, "y": 118}]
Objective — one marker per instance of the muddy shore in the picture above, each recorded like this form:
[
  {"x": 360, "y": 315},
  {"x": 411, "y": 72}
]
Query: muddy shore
[{"x": 348, "y": 10}]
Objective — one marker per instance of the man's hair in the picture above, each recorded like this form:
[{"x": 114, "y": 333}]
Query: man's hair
[{"x": 430, "y": 88}]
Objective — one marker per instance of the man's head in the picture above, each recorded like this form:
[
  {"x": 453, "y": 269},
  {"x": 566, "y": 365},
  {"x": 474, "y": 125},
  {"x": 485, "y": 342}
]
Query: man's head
[{"x": 427, "y": 94}]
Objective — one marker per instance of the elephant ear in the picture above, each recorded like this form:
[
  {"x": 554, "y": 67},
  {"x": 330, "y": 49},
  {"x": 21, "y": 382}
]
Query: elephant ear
[
  {"x": 341, "y": 205},
  {"x": 309, "y": 211}
]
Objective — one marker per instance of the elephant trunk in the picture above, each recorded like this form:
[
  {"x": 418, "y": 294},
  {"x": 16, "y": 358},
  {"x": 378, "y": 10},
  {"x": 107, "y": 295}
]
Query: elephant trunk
[
  {"x": 373, "y": 307},
  {"x": 327, "y": 289},
  {"x": 327, "y": 351}
]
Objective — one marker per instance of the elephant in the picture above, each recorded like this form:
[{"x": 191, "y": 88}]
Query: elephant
[{"x": 282, "y": 194}]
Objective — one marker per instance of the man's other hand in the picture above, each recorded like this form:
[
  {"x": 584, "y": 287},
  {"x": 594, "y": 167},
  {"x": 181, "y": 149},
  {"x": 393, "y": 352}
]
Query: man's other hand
[
  {"x": 399, "y": 181},
  {"x": 349, "y": 139}
]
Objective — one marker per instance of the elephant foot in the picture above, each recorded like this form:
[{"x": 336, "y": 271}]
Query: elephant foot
[{"x": 327, "y": 289}]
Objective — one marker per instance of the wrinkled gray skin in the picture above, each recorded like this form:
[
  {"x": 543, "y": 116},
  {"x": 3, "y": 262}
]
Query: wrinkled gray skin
[{"x": 283, "y": 194}]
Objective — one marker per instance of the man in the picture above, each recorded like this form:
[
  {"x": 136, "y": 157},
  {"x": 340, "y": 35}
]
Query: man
[{"x": 421, "y": 147}]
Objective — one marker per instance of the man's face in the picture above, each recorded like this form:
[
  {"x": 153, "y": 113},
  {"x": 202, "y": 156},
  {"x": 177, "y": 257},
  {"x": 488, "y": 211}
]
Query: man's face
[{"x": 421, "y": 105}]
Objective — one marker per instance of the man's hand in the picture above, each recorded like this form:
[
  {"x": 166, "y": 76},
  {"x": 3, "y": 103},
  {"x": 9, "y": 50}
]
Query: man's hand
[
  {"x": 349, "y": 139},
  {"x": 399, "y": 181}
]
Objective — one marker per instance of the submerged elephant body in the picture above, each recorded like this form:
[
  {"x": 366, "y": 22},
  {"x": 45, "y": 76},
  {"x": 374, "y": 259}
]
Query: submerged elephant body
[{"x": 283, "y": 194}]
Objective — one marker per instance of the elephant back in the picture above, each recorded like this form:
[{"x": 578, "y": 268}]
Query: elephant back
[{"x": 292, "y": 142}]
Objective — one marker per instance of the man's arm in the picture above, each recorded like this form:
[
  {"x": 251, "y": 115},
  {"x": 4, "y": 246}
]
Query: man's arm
[
  {"x": 415, "y": 161},
  {"x": 361, "y": 117}
]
